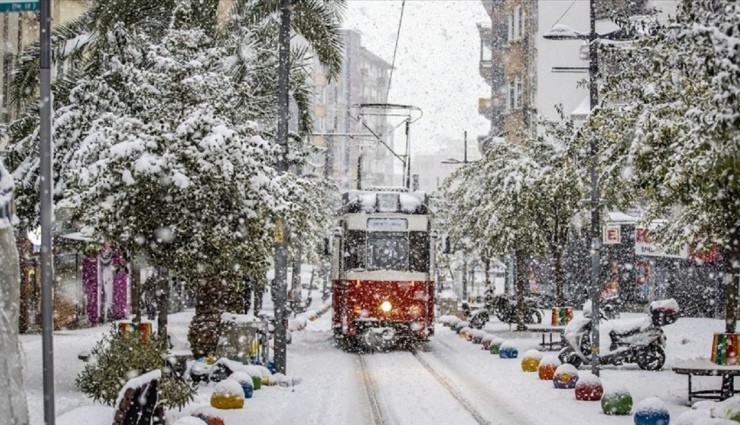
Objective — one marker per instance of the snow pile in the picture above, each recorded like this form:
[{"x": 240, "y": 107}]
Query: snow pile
[
  {"x": 229, "y": 387},
  {"x": 241, "y": 377},
  {"x": 725, "y": 412},
  {"x": 550, "y": 360},
  {"x": 651, "y": 405},
  {"x": 447, "y": 294},
  {"x": 588, "y": 379},
  {"x": 533, "y": 354},
  {"x": 138, "y": 382},
  {"x": 668, "y": 305},
  {"x": 615, "y": 389},
  {"x": 566, "y": 368}
]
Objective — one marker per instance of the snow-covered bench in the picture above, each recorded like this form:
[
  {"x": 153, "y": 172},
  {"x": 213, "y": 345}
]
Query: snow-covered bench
[
  {"x": 704, "y": 367},
  {"x": 547, "y": 330}
]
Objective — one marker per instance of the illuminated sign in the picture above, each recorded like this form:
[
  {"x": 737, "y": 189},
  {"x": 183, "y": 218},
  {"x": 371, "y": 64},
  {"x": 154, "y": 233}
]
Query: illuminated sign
[{"x": 387, "y": 224}]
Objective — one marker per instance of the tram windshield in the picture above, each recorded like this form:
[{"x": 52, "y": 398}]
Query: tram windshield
[
  {"x": 402, "y": 251},
  {"x": 387, "y": 251}
]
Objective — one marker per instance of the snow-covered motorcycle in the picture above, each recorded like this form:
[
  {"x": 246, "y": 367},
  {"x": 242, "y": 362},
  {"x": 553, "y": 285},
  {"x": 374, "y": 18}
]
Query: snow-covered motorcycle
[{"x": 639, "y": 341}]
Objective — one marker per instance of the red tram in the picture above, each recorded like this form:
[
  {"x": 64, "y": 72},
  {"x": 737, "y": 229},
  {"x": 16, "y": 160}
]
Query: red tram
[{"x": 383, "y": 260}]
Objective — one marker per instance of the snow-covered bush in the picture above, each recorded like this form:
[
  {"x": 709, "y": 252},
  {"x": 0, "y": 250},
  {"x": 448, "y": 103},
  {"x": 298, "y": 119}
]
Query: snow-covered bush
[{"x": 118, "y": 358}]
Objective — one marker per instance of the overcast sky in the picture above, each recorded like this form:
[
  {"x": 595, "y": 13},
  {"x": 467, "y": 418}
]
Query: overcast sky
[{"x": 436, "y": 63}]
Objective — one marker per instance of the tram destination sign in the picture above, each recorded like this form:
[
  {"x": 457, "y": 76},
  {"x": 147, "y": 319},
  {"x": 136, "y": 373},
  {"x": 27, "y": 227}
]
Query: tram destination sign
[{"x": 18, "y": 6}]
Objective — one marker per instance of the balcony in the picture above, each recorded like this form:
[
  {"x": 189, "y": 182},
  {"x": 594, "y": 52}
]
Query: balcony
[
  {"x": 485, "y": 67},
  {"x": 484, "y": 107}
]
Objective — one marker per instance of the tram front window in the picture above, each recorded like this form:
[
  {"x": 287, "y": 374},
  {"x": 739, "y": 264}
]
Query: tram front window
[{"x": 388, "y": 251}]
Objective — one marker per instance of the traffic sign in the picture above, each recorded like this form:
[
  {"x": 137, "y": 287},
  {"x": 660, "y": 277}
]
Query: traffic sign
[{"x": 18, "y": 6}]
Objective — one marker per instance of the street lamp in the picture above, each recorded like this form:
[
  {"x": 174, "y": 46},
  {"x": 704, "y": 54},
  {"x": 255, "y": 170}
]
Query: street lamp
[{"x": 562, "y": 32}]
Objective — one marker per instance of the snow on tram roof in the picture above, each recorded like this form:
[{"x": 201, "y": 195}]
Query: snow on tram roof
[{"x": 385, "y": 200}]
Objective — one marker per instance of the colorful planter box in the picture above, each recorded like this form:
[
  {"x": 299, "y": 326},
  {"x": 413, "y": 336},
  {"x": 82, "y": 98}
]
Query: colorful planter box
[
  {"x": 531, "y": 361},
  {"x": 616, "y": 402},
  {"x": 547, "y": 367},
  {"x": 566, "y": 377},
  {"x": 588, "y": 388},
  {"x": 725, "y": 349},
  {"x": 561, "y": 316},
  {"x": 508, "y": 352},
  {"x": 651, "y": 411}
]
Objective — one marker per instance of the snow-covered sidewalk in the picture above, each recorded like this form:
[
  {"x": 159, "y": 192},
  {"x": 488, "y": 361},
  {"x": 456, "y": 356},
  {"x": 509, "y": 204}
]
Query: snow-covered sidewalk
[{"x": 332, "y": 390}]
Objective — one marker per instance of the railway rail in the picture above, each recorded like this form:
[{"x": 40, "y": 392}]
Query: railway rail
[{"x": 382, "y": 414}]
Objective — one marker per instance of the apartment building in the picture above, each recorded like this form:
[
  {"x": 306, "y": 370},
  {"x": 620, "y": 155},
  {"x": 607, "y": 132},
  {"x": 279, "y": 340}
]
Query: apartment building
[
  {"x": 350, "y": 148},
  {"x": 18, "y": 30},
  {"x": 531, "y": 76}
]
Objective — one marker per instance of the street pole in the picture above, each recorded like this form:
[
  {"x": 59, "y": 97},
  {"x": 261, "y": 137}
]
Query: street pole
[
  {"x": 595, "y": 230},
  {"x": 465, "y": 145},
  {"x": 279, "y": 283},
  {"x": 45, "y": 189}
]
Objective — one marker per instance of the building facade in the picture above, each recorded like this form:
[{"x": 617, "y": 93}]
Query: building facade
[{"x": 533, "y": 79}]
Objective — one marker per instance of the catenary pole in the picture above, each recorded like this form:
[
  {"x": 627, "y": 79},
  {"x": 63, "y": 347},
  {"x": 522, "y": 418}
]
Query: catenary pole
[
  {"x": 45, "y": 195},
  {"x": 279, "y": 283},
  {"x": 595, "y": 226}
]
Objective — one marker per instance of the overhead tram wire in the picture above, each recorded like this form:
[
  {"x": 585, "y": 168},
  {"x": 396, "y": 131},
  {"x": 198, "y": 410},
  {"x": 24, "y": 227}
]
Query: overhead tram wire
[{"x": 395, "y": 49}]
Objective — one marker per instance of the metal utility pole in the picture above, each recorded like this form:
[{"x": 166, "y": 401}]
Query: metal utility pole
[
  {"x": 45, "y": 188},
  {"x": 465, "y": 144},
  {"x": 593, "y": 64},
  {"x": 279, "y": 283}
]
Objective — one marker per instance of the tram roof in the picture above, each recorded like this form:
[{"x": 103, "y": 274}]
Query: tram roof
[{"x": 384, "y": 201}]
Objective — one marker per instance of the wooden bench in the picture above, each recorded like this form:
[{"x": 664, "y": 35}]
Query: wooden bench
[
  {"x": 704, "y": 367},
  {"x": 548, "y": 331}
]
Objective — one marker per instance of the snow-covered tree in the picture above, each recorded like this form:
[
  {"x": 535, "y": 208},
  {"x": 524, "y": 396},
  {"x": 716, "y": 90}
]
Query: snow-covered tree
[
  {"x": 167, "y": 152},
  {"x": 676, "y": 117},
  {"x": 493, "y": 203}
]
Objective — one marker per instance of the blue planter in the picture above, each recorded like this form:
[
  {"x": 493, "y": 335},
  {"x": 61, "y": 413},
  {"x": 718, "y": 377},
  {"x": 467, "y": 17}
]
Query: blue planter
[
  {"x": 508, "y": 352},
  {"x": 652, "y": 417},
  {"x": 247, "y": 388}
]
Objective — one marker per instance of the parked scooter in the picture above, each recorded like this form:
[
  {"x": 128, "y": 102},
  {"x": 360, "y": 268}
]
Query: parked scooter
[{"x": 641, "y": 342}]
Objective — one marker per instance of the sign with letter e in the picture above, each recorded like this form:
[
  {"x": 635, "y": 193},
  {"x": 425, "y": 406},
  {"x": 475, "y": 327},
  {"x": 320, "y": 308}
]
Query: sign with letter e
[{"x": 612, "y": 234}]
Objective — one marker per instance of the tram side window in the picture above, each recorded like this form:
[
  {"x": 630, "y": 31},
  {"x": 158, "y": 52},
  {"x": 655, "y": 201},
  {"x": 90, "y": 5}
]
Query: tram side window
[
  {"x": 419, "y": 242},
  {"x": 354, "y": 252}
]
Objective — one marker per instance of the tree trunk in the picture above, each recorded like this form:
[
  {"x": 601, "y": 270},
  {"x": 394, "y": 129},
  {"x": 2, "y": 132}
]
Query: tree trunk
[
  {"x": 135, "y": 289},
  {"x": 163, "y": 302},
  {"x": 732, "y": 274},
  {"x": 557, "y": 256},
  {"x": 487, "y": 265},
  {"x": 214, "y": 296},
  {"x": 521, "y": 286}
]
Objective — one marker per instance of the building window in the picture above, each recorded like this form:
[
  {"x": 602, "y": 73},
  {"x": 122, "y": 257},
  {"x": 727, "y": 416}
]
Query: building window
[
  {"x": 511, "y": 28},
  {"x": 519, "y": 12},
  {"x": 519, "y": 92},
  {"x": 512, "y": 95}
]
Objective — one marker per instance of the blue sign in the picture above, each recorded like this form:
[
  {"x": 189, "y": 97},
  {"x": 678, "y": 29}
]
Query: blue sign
[{"x": 18, "y": 6}]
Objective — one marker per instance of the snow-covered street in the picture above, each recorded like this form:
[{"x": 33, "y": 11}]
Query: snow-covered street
[{"x": 450, "y": 379}]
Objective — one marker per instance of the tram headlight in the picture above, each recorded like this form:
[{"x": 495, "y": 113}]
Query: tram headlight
[{"x": 386, "y": 306}]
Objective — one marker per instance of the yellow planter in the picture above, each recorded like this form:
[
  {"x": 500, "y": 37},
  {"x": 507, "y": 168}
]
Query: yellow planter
[
  {"x": 226, "y": 401},
  {"x": 530, "y": 364}
]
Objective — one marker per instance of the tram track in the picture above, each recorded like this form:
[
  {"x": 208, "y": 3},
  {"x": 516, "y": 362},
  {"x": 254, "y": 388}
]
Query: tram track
[
  {"x": 382, "y": 414},
  {"x": 453, "y": 392},
  {"x": 371, "y": 389}
]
